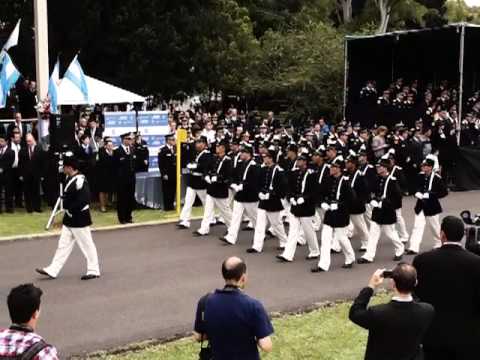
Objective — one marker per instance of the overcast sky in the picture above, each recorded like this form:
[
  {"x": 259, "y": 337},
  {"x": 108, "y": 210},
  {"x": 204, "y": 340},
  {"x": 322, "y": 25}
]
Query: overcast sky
[{"x": 473, "y": 2}]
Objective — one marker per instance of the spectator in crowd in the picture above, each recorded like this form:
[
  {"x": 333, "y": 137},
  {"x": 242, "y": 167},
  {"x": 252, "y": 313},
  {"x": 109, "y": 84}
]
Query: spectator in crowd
[
  {"x": 105, "y": 173},
  {"x": 6, "y": 161},
  {"x": 20, "y": 340},
  {"x": 379, "y": 145},
  {"x": 449, "y": 279},
  {"x": 15, "y": 180},
  {"x": 17, "y": 125},
  {"x": 125, "y": 175},
  {"x": 234, "y": 324},
  {"x": 31, "y": 170},
  {"x": 396, "y": 329}
]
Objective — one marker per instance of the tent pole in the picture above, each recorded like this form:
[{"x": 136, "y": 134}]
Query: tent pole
[
  {"x": 460, "y": 90},
  {"x": 345, "y": 78}
]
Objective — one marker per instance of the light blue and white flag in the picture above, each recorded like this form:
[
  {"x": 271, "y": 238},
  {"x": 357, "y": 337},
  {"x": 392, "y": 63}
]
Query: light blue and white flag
[
  {"x": 75, "y": 74},
  {"x": 8, "y": 77},
  {"x": 12, "y": 40},
  {"x": 53, "y": 88}
]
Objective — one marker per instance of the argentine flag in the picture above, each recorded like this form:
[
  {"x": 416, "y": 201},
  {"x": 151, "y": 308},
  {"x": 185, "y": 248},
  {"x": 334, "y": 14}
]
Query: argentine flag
[
  {"x": 8, "y": 77},
  {"x": 53, "y": 88},
  {"x": 77, "y": 77}
]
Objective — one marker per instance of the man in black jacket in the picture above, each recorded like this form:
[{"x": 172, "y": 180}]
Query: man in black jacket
[
  {"x": 218, "y": 181},
  {"x": 384, "y": 217},
  {"x": 76, "y": 224},
  {"x": 31, "y": 164},
  {"x": 246, "y": 189},
  {"x": 273, "y": 187},
  {"x": 7, "y": 157},
  {"x": 430, "y": 189},
  {"x": 449, "y": 279},
  {"x": 124, "y": 158},
  {"x": 396, "y": 329},
  {"x": 167, "y": 164}
]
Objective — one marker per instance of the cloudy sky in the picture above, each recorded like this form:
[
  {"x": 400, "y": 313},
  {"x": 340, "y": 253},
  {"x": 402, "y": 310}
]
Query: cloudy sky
[{"x": 473, "y": 2}]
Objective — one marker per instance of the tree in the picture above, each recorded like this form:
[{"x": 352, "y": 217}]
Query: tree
[{"x": 385, "y": 8}]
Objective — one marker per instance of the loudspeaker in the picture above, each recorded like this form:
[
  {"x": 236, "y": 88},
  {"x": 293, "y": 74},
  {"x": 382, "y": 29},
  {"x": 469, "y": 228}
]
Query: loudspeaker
[{"x": 62, "y": 132}]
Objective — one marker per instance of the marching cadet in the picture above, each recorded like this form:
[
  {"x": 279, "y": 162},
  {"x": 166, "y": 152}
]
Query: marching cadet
[
  {"x": 273, "y": 188},
  {"x": 218, "y": 182},
  {"x": 301, "y": 195},
  {"x": 76, "y": 224},
  {"x": 360, "y": 197},
  {"x": 125, "y": 164},
  {"x": 246, "y": 194},
  {"x": 322, "y": 172},
  {"x": 196, "y": 184},
  {"x": 430, "y": 188},
  {"x": 337, "y": 217},
  {"x": 386, "y": 200},
  {"x": 370, "y": 175},
  {"x": 167, "y": 164}
]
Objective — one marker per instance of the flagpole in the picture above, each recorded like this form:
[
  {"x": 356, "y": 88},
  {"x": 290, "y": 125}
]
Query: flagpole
[{"x": 41, "y": 47}]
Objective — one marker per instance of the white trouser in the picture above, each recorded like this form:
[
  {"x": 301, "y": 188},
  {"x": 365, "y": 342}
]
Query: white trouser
[
  {"x": 276, "y": 226},
  {"x": 209, "y": 213},
  {"x": 433, "y": 223},
  {"x": 190, "y": 196},
  {"x": 368, "y": 214},
  {"x": 68, "y": 237},
  {"x": 328, "y": 236},
  {"x": 401, "y": 226},
  {"x": 375, "y": 233},
  {"x": 297, "y": 224},
  {"x": 360, "y": 228},
  {"x": 250, "y": 209}
]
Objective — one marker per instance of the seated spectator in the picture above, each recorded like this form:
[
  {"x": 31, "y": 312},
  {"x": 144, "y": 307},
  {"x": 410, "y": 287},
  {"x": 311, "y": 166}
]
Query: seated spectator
[
  {"x": 20, "y": 340},
  {"x": 396, "y": 329},
  {"x": 449, "y": 279},
  {"x": 234, "y": 323}
]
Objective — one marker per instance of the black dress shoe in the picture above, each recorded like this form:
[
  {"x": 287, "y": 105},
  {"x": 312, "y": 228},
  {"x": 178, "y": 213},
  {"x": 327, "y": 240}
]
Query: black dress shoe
[
  {"x": 129, "y": 221},
  {"x": 38, "y": 210},
  {"x": 363, "y": 261},
  {"x": 347, "y": 266},
  {"x": 282, "y": 259},
  {"x": 253, "y": 251},
  {"x": 269, "y": 233},
  {"x": 89, "y": 277},
  {"x": 198, "y": 234},
  {"x": 224, "y": 239},
  {"x": 182, "y": 227},
  {"x": 308, "y": 258},
  {"x": 44, "y": 273},
  {"x": 317, "y": 269},
  {"x": 411, "y": 252},
  {"x": 362, "y": 250},
  {"x": 398, "y": 258},
  {"x": 246, "y": 228},
  {"x": 280, "y": 248},
  {"x": 335, "y": 252}
]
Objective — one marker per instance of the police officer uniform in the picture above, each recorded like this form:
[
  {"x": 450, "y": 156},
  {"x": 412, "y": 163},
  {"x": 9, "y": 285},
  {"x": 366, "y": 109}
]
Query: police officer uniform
[
  {"x": 167, "y": 164},
  {"x": 430, "y": 188},
  {"x": 337, "y": 217},
  {"x": 125, "y": 163},
  {"x": 141, "y": 155},
  {"x": 76, "y": 226},
  {"x": 273, "y": 188},
  {"x": 246, "y": 190},
  {"x": 384, "y": 217}
]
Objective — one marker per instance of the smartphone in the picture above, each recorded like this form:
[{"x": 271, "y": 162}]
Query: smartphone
[{"x": 387, "y": 274}]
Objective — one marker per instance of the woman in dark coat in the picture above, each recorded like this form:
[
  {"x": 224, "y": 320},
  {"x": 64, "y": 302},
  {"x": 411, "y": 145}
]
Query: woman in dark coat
[{"x": 105, "y": 173}]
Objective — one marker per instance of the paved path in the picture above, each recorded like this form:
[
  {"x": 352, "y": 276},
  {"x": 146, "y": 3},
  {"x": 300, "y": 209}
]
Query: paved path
[{"x": 153, "y": 276}]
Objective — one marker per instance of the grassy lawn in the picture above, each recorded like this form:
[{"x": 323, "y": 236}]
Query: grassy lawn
[
  {"x": 22, "y": 223},
  {"x": 324, "y": 334}
]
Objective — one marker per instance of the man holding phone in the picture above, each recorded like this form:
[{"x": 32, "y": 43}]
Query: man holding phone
[{"x": 396, "y": 329}]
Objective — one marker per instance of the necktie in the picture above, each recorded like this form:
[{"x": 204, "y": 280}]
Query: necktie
[
  {"x": 127, "y": 150},
  {"x": 30, "y": 151}
]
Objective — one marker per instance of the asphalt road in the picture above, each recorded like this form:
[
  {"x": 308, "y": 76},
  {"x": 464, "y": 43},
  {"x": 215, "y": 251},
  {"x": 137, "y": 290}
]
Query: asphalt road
[{"x": 153, "y": 277}]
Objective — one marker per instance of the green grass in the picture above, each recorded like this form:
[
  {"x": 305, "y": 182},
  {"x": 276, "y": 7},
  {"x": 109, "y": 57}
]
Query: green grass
[
  {"x": 22, "y": 223},
  {"x": 324, "y": 334}
]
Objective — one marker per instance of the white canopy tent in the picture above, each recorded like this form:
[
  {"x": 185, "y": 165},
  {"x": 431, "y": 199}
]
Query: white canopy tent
[{"x": 99, "y": 92}]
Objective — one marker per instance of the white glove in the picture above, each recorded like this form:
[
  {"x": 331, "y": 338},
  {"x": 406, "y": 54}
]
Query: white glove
[
  {"x": 419, "y": 195},
  {"x": 68, "y": 213},
  {"x": 165, "y": 177},
  {"x": 267, "y": 196},
  {"x": 426, "y": 196},
  {"x": 293, "y": 202},
  {"x": 325, "y": 206},
  {"x": 207, "y": 179},
  {"x": 214, "y": 179},
  {"x": 300, "y": 201},
  {"x": 239, "y": 187},
  {"x": 20, "y": 178},
  {"x": 191, "y": 166},
  {"x": 374, "y": 203},
  {"x": 261, "y": 196},
  {"x": 334, "y": 207},
  {"x": 380, "y": 204}
]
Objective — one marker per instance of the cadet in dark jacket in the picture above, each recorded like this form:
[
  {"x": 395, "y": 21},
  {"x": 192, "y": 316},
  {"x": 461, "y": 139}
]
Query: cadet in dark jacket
[
  {"x": 430, "y": 189},
  {"x": 125, "y": 164},
  {"x": 322, "y": 174},
  {"x": 7, "y": 157},
  {"x": 196, "y": 184},
  {"x": 218, "y": 180},
  {"x": 360, "y": 197},
  {"x": 301, "y": 195},
  {"x": 76, "y": 224},
  {"x": 246, "y": 190},
  {"x": 449, "y": 279},
  {"x": 387, "y": 197},
  {"x": 395, "y": 329},
  {"x": 370, "y": 175},
  {"x": 273, "y": 187},
  {"x": 167, "y": 164},
  {"x": 337, "y": 207}
]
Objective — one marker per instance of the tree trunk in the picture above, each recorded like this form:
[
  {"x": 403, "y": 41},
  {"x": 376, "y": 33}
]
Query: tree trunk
[
  {"x": 384, "y": 7},
  {"x": 346, "y": 8}
]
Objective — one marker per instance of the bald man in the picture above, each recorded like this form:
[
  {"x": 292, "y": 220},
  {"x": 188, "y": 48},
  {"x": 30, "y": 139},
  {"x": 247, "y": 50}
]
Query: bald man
[{"x": 234, "y": 324}]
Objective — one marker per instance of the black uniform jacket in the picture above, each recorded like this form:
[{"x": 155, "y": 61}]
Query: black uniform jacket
[
  {"x": 76, "y": 200},
  {"x": 167, "y": 163},
  {"x": 435, "y": 187},
  {"x": 389, "y": 194},
  {"x": 360, "y": 193},
  {"x": 273, "y": 182},
  {"x": 196, "y": 177},
  {"x": 301, "y": 184},
  {"x": 220, "y": 171},
  {"x": 340, "y": 195},
  {"x": 249, "y": 175}
]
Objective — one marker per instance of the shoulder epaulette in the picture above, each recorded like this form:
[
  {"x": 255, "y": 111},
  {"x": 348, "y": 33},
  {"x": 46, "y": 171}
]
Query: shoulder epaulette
[{"x": 80, "y": 181}]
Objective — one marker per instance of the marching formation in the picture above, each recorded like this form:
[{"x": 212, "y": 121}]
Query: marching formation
[{"x": 327, "y": 190}]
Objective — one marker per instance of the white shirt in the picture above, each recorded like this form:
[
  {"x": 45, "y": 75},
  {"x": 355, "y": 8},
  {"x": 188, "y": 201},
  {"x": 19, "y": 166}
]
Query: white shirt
[
  {"x": 408, "y": 298},
  {"x": 16, "y": 149}
]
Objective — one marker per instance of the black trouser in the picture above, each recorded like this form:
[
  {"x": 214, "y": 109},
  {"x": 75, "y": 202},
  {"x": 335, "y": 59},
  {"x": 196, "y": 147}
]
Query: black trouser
[
  {"x": 17, "y": 187},
  {"x": 168, "y": 190},
  {"x": 31, "y": 191},
  {"x": 125, "y": 200},
  {"x": 449, "y": 353}
]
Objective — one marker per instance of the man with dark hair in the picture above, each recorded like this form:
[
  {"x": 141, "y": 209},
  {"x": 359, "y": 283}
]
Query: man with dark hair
[
  {"x": 235, "y": 324},
  {"x": 20, "y": 341},
  {"x": 396, "y": 329},
  {"x": 449, "y": 279}
]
